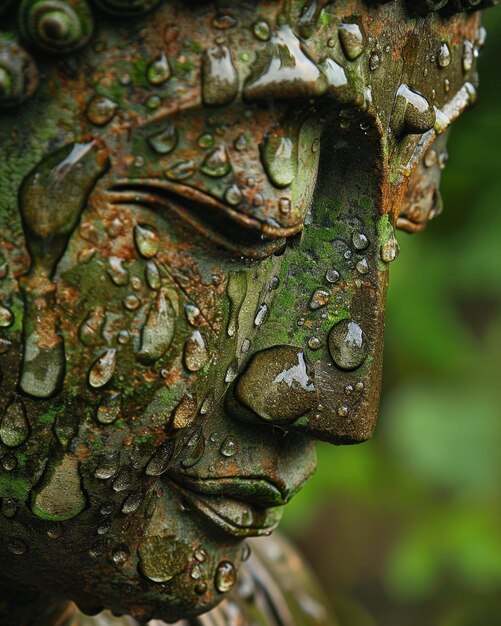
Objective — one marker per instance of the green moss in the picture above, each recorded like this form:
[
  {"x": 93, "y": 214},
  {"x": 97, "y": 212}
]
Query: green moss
[{"x": 12, "y": 487}]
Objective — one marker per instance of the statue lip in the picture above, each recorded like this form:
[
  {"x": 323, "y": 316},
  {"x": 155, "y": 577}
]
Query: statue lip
[
  {"x": 258, "y": 491},
  {"x": 238, "y": 517}
]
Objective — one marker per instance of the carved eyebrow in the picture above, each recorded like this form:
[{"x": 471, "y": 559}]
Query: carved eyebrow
[{"x": 213, "y": 219}]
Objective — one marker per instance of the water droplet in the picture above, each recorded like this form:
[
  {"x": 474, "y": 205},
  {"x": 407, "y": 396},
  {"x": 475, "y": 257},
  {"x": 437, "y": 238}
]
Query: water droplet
[
  {"x": 55, "y": 531},
  {"x": 444, "y": 56},
  {"x": 217, "y": 163},
  {"x": 117, "y": 272},
  {"x": 196, "y": 355},
  {"x": 233, "y": 195},
  {"x": 196, "y": 572},
  {"x": 431, "y": 157},
  {"x": 161, "y": 459},
  {"x": 363, "y": 266},
  {"x": 103, "y": 369},
  {"x": 319, "y": 299},
  {"x": 226, "y": 576},
  {"x": 120, "y": 556},
  {"x": 220, "y": 82},
  {"x": 110, "y": 410},
  {"x": 200, "y": 555},
  {"x": 9, "y": 508},
  {"x": 236, "y": 291},
  {"x": 261, "y": 30},
  {"x": 231, "y": 372},
  {"x": 153, "y": 103},
  {"x": 284, "y": 206},
  {"x": 314, "y": 343},
  {"x": 16, "y": 546},
  {"x": 181, "y": 170},
  {"x": 442, "y": 160},
  {"x": 412, "y": 112},
  {"x": 101, "y": 110},
  {"x": 261, "y": 315},
  {"x": 332, "y": 276},
  {"x": 343, "y": 411},
  {"x": 193, "y": 450},
  {"x": 360, "y": 241},
  {"x": 159, "y": 71},
  {"x": 14, "y": 426},
  {"x": 352, "y": 40},
  {"x": 153, "y": 276},
  {"x": 123, "y": 481},
  {"x": 9, "y": 462},
  {"x": 468, "y": 55},
  {"x": 132, "y": 502},
  {"x": 201, "y": 589},
  {"x": 185, "y": 412},
  {"x": 279, "y": 156},
  {"x": 107, "y": 508},
  {"x": 229, "y": 447},
  {"x": 132, "y": 302},
  {"x": 240, "y": 143},
  {"x": 165, "y": 141},
  {"x": 374, "y": 61},
  {"x": 390, "y": 250},
  {"x": 246, "y": 344},
  {"x": 347, "y": 345},
  {"x": 5, "y": 345},
  {"x": 59, "y": 495},
  {"x": 107, "y": 467},
  {"x": 158, "y": 331},
  {"x": 147, "y": 240},
  {"x": 6, "y": 317},
  {"x": 274, "y": 283}
]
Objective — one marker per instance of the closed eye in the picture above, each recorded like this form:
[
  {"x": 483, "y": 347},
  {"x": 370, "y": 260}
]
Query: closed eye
[{"x": 237, "y": 232}]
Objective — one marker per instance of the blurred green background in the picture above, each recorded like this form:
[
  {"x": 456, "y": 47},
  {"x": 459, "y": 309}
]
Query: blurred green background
[{"x": 405, "y": 530}]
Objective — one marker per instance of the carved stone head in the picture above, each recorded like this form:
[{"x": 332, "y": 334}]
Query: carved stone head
[{"x": 198, "y": 203}]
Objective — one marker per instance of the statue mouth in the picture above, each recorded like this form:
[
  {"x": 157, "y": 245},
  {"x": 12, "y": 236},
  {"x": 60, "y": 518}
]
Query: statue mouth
[{"x": 242, "y": 507}]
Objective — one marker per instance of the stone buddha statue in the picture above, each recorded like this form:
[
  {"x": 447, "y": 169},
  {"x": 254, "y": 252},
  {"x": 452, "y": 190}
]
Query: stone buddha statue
[{"x": 198, "y": 203}]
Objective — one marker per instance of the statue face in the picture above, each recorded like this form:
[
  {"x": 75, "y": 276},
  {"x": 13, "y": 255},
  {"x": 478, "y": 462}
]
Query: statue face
[{"x": 197, "y": 216}]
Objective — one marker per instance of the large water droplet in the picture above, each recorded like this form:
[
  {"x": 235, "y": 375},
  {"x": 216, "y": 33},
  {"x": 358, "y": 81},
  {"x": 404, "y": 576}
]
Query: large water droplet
[
  {"x": 229, "y": 447},
  {"x": 352, "y": 40},
  {"x": 132, "y": 502},
  {"x": 147, "y": 240},
  {"x": 6, "y": 317},
  {"x": 185, "y": 412},
  {"x": 220, "y": 82},
  {"x": 196, "y": 355},
  {"x": 236, "y": 290},
  {"x": 226, "y": 576},
  {"x": 123, "y": 481},
  {"x": 347, "y": 345},
  {"x": 153, "y": 276},
  {"x": 319, "y": 299},
  {"x": 279, "y": 156},
  {"x": 165, "y": 141},
  {"x": 101, "y": 110},
  {"x": 110, "y": 410},
  {"x": 181, "y": 170},
  {"x": 161, "y": 459},
  {"x": 103, "y": 369},
  {"x": 217, "y": 163},
  {"x": 261, "y": 30},
  {"x": 158, "y": 331},
  {"x": 14, "y": 426},
  {"x": 159, "y": 71},
  {"x": 390, "y": 250},
  {"x": 444, "y": 56},
  {"x": 193, "y": 450},
  {"x": 59, "y": 495},
  {"x": 261, "y": 315},
  {"x": 277, "y": 384},
  {"x": 117, "y": 272}
]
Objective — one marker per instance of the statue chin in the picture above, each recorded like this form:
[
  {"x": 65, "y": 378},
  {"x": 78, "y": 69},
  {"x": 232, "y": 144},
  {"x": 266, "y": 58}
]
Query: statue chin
[{"x": 198, "y": 214}]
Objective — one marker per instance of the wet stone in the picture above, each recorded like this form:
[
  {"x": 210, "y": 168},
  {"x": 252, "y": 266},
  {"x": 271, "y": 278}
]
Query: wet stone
[{"x": 347, "y": 345}]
